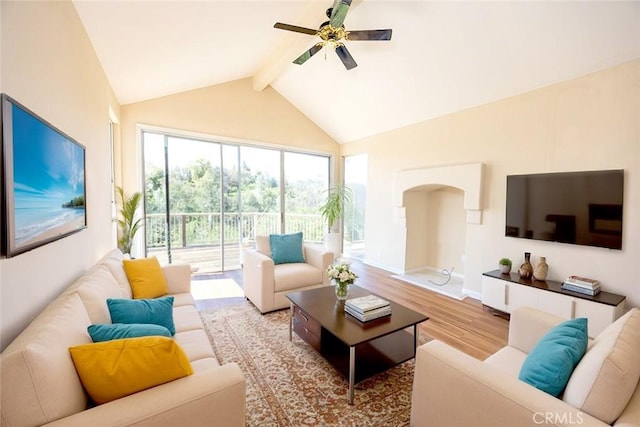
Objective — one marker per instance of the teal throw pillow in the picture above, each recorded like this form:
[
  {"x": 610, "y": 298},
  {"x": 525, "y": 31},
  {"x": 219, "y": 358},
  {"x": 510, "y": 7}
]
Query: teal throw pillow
[
  {"x": 549, "y": 365},
  {"x": 286, "y": 248},
  {"x": 158, "y": 311},
  {"x": 116, "y": 331}
]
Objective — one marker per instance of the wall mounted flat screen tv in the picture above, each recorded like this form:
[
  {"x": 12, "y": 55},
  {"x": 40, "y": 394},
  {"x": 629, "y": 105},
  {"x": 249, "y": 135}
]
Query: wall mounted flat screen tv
[
  {"x": 43, "y": 181},
  {"x": 582, "y": 208}
]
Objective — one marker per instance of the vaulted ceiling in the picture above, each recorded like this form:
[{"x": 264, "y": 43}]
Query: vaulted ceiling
[{"x": 445, "y": 56}]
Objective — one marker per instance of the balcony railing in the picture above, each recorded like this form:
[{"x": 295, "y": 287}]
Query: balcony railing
[{"x": 206, "y": 229}]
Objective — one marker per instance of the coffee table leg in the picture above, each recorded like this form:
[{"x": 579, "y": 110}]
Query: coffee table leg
[
  {"x": 291, "y": 323},
  {"x": 352, "y": 372},
  {"x": 416, "y": 342}
]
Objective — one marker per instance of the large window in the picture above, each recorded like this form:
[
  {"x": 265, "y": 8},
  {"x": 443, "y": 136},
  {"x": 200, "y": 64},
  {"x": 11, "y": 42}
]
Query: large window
[
  {"x": 204, "y": 200},
  {"x": 305, "y": 182}
]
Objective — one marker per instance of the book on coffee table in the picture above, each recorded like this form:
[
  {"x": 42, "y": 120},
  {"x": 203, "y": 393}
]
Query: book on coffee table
[
  {"x": 366, "y": 304},
  {"x": 369, "y": 315}
]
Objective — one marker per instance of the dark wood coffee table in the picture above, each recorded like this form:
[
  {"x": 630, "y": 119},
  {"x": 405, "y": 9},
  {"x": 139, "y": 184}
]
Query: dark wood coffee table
[{"x": 357, "y": 350}]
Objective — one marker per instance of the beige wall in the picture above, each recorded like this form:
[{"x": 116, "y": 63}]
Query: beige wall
[
  {"x": 231, "y": 111},
  {"x": 588, "y": 123},
  {"x": 49, "y": 65}
]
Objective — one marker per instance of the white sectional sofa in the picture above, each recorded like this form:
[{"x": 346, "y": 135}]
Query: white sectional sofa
[
  {"x": 40, "y": 386},
  {"x": 451, "y": 388}
]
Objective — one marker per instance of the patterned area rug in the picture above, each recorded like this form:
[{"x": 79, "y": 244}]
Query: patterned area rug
[{"x": 290, "y": 384}]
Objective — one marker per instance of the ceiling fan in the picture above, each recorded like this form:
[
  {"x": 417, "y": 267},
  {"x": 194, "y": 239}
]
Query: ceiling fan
[{"x": 333, "y": 33}]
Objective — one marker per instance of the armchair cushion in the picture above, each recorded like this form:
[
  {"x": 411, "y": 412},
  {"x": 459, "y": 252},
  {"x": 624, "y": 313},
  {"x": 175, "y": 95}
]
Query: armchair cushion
[
  {"x": 605, "y": 379},
  {"x": 286, "y": 248},
  {"x": 551, "y": 362},
  {"x": 263, "y": 246},
  {"x": 293, "y": 276}
]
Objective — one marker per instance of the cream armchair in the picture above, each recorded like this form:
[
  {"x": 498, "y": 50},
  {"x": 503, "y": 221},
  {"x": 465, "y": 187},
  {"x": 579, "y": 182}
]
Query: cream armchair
[
  {"x": 266, "y": 284},
  {"x": 451, "y": 388}
]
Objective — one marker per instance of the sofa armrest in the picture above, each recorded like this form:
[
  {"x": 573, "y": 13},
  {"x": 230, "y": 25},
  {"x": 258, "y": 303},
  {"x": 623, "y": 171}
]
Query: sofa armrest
[
  {"x": 451, "y": 388},
  {"x": 258, "y": 279},
  {"x": 178, "y": 278},
  {"x": 320, "y": 257},
  {"x": 528, "y": 325},
  {"x": 212, "y": 396}
]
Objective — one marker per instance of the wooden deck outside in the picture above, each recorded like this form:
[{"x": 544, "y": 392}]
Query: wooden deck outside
[{"x": 203, "y": 260}]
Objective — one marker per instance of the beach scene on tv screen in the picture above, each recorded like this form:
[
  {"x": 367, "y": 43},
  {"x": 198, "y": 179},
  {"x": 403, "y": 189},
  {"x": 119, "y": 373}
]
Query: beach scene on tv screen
[{"x": 48, "y": 171}]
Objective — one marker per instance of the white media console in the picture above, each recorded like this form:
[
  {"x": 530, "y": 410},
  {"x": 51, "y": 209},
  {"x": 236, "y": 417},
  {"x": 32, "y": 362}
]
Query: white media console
[{"x": 505, "y": 292}]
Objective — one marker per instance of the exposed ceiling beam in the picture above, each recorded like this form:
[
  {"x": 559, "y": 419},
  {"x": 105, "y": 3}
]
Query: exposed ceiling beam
[{"x": 291, "y": 44}]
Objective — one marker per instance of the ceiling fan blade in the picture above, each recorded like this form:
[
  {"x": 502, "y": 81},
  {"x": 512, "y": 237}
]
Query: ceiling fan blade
[
  {"x": 295, "y": 28},
  {"x": 369, "y": 35},
  {"x": 346, "y": 57},
  {"x": 340, "y": 9},
  {"x": 308, "y": 54}
]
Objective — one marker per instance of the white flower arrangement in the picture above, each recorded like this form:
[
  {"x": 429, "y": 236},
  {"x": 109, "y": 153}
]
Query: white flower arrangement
[{"x": 342, "y": 274}]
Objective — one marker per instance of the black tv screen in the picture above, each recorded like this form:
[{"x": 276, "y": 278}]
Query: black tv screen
[
  {"x": 43, "y": 181},
  {"x": 582, "y": 208}
]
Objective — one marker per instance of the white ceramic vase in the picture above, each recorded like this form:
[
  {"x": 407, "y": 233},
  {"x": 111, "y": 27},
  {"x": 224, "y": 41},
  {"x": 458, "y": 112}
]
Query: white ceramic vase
[{"x": 333, "y": 242}]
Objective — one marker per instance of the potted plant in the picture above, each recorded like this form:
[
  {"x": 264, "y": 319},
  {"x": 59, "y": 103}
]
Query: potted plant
[
  {"x": 338, "y": 198},
  {"x": 127, "y": 221},
  {"x": 505, "y": 265}
]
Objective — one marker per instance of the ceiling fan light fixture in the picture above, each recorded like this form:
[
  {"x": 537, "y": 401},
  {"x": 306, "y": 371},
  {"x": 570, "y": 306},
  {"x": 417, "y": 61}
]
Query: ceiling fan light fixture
[{"x": 332, "y": 33}]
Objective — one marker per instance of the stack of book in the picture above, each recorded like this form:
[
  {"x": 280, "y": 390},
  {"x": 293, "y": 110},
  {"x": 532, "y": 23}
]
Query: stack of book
[
  {"x": 367, "y": 308},
  {"x": 581, "y": 285}
]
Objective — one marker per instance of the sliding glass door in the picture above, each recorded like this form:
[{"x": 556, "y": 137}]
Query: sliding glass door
[
  {"x": 205, "y": 200},
  {"x": 306, "y": 179}
]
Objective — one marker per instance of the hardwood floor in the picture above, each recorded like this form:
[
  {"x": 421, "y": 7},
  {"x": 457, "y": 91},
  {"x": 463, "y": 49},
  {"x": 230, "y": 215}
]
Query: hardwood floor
[{"x": 465, "y": 325}]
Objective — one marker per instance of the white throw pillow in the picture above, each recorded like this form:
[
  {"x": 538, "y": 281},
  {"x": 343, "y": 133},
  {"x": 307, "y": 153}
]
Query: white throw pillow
[{"x": 606, "y": 377}]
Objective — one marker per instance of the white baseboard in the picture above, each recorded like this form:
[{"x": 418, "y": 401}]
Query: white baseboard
[
  {"x": 473, "y": 294},
  {"x": 382, "y": 266}
]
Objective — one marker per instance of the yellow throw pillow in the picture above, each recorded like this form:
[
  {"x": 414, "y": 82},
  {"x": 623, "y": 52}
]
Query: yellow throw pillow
[
  {"x": 113, "y": 369},
  {"x": 145, "y": 277}
]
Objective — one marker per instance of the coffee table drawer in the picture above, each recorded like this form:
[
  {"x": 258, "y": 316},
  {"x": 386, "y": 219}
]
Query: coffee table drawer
[
  {"x": 306, "y": 321},
  {"x": 310, "y": 338}
]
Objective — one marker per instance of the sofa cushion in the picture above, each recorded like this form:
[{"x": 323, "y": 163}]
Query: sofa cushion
[
  {"x": 114, "y": 369},
  {"x": 195, "y": 344},
  {"x": 187, "y": 318},
  {"x": 39, "y": 381},
  {"x": 94, "y": 288},
  {"x": 116, "y": 331},
  {"x": 113, "y": 261},
  {"x": 552, "y": 360},
  {"x": 294, "y": 276},
  {"x": 146, "y": 277},
  {"x": 606, "y": 377},
  {"x": 286, "y": 248},
  {"x": 154, "y": 311}
]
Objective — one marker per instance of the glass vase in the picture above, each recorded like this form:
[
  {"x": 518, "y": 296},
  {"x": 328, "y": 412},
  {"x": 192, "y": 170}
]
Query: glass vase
[{"x": 342, "y": 290}]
